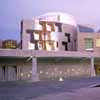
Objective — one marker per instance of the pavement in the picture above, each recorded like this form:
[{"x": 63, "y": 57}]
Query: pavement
[
  {"x": 69, "y": 89},
  {"x": 81, "y": 94}
]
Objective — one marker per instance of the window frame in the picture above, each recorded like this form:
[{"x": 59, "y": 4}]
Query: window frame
[{"x": 89, "y": 44}]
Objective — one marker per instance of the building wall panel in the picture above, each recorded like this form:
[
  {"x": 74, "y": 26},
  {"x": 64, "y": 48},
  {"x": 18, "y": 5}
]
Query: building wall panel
[{"x": 70, "y": 69}]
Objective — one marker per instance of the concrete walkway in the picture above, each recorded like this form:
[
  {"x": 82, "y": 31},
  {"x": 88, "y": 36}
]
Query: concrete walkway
[
  {"x": 72, "y": 89},
  {"x": 81, "y": 94}
]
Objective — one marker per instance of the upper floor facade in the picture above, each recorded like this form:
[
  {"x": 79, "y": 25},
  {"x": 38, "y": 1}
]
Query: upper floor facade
[{"x": 56, "y": 33}]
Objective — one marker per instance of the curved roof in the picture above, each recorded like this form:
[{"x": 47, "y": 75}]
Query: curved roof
[{"x": 58, "y": 17}]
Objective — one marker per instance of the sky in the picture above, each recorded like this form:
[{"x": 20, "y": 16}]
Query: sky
[{"x": 13, "y": 11}]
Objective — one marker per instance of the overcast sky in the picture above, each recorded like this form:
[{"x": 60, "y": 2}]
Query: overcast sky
[{"x": 13, "y": 11}]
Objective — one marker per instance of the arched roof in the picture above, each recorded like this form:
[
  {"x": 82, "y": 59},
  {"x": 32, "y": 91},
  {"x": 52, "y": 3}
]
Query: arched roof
[{"x": 59, "y": 17}]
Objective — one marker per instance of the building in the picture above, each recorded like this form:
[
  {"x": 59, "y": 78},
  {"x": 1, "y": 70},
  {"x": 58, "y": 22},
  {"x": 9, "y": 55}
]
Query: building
[
  {"x": 0, "y": 43},
  {"x": 9, "y": 44},
  {"x": 51, "y": 48}
]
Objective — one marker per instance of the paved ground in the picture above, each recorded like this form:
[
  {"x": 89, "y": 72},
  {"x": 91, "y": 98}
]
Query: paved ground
[
  {"x": 47, "y": 90},
  {"x": 81, "y": 94}
]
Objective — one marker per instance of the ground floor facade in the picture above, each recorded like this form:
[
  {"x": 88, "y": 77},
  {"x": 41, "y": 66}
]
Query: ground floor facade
[{"x": 47, "y": 68}]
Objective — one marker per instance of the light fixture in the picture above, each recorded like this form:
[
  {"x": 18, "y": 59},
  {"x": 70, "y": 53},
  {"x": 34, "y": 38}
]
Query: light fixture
[
  {"x": 22, "y": 74},
  {"x": 61, "y": 79},
  {"x": 28, "y": 75},
  {"x": 41, "y": 71}
]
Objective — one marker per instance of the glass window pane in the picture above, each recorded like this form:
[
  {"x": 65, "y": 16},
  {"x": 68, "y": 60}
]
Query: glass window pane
[{"x": 88, "y": 43}]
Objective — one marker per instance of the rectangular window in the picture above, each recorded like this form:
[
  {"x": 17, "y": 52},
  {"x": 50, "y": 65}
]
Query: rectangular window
[
  {"x": 68, "y": 36},
  {"x": 97, "y": 42},
  {"x": 36, "y": 36},
  {"x": 89, "y": 44}
]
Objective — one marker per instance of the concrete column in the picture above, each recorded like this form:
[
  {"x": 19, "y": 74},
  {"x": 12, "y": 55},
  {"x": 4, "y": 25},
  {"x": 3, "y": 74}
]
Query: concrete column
[
  {"x": 18, "y": 72},
  {"x": 35, "y": 76},
  {"x": 92, "y": 69}
]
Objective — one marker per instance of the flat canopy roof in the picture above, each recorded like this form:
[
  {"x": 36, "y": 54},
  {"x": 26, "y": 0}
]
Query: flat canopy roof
[{"x": 18, "y": 53}]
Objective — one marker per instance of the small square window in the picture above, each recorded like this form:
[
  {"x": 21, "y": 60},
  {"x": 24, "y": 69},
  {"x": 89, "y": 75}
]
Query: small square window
[{"x": 36, "y": 36}]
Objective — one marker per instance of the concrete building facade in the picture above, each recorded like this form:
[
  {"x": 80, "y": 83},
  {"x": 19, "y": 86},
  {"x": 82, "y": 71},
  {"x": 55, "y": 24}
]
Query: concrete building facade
[{"x": 52, "y": 48}]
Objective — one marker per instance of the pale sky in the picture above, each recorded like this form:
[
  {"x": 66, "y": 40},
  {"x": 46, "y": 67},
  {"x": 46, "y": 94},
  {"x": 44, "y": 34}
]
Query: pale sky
[{"x": 13, "y": 11}]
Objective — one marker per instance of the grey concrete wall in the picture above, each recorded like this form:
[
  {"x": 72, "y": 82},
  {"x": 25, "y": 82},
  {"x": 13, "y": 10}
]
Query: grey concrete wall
[
  {"x": 26, "y": 25},
  {"x": 73, "y": 31}
]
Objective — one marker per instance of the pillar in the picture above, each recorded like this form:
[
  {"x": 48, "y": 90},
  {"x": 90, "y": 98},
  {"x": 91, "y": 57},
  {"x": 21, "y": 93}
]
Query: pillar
[
  {"x": 92, "y": 69},
  {"x": 35, "y": 76}
]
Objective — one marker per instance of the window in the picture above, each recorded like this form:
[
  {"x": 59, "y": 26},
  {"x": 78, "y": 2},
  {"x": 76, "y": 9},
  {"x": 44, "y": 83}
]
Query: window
[
  {"x": 58, "y": 27},
  {"x": 10, "y": 44},
  {"x": 97, "y": 42},
  {"x": 31, "y": 45},
  {"x": 68, "y": 36},
  {"x": 89, "y": 44},
  {"x": 65, "y": 44},
  {"x": 36, "y": 36}
]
